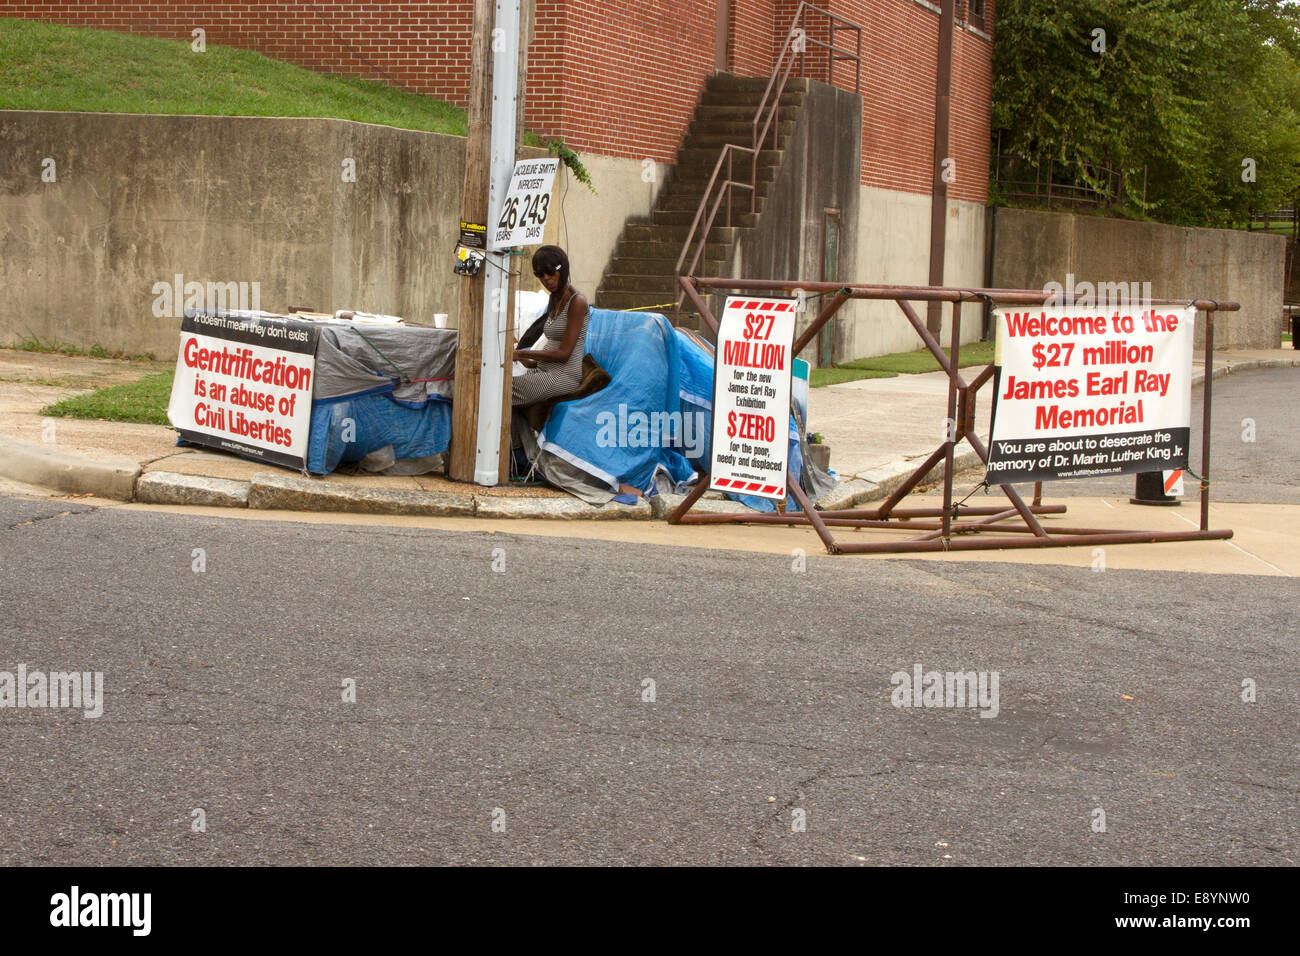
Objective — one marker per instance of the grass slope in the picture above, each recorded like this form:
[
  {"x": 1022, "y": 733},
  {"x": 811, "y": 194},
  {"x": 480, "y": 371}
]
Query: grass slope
[
  {"x": 899, "y": 363},
  {"x": 144, "y": 401},
  {"x": 45, "y": 66}
]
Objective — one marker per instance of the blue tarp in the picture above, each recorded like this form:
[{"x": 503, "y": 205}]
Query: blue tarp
[
  {"x": 654, "y": 415},
  {"x": 632, "y": 427},
  {"x": 373, "y": 420}
]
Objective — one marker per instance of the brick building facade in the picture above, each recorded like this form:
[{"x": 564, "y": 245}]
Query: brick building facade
[{"x": 618, "y": 77}]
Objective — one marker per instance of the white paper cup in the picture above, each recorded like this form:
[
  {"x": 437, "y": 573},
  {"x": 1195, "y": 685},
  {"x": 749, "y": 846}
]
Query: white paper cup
[{"x": 440, "y": 320}]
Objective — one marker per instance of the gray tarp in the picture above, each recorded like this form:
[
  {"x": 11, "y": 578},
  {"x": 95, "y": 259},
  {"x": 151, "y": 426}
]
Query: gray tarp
[{"x": 346, "y": 363}]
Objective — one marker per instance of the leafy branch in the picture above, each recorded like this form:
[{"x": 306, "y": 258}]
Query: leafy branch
[{"x": 573, "y": 161}]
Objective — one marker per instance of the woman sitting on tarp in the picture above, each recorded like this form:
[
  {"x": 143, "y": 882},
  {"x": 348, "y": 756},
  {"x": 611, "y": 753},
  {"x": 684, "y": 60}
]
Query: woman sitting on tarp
[
  {"x": 554, "y": 372},
  {"x": 560, "y": 372}
]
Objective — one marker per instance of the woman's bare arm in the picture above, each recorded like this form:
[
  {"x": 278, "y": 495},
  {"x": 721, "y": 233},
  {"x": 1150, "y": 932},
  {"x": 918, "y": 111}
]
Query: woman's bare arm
[{"x": 572, "y": 329}]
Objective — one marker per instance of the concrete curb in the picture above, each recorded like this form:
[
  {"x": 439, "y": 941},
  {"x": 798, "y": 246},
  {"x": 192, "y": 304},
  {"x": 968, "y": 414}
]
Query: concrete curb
[
  {"x": 112, "y": 476},
  {"x": 171, "y": 488},
  {"x": 119, "y": 478},
  {"x": 1246, "y": 365},
  {"x": 664, "y": 505},
  {"x": 849, "y": 494},
  {"x": 563, "y": 509},
  {"x": 277, "y": 492},
  {"x": 886, "y": 479},
  {"x": 273, "y": 491}
]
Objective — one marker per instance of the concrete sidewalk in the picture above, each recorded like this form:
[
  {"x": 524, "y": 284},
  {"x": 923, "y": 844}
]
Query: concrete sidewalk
[{"x": 879, "y": 431}]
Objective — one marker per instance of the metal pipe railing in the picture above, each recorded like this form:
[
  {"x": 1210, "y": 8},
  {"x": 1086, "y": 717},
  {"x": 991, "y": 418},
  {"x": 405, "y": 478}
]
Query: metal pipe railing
[
  {"x": 780, "y": 72},
  {"x": 949, "y": 533},
  {"x": 725, "y": 191}
]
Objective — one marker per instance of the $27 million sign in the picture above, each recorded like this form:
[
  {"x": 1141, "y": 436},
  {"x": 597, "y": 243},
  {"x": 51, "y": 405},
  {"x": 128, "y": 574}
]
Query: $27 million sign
[
  {"x": 1085, "y": 393},
  {"x": 751, "y": 397}
]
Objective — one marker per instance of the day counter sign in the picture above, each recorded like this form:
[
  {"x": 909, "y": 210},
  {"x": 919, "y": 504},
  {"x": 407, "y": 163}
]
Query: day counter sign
[
  {"x": 751, "y": 397},
  {"x": 1085, "y": 392},
  {"x": 527, "y": 203}
]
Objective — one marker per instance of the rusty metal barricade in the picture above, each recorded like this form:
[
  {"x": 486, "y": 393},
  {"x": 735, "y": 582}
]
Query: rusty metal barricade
[{"x": 940, "y": 529}]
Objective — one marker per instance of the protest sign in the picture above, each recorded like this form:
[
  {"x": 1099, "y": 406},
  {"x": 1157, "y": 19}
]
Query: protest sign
[
  {"x": 244, "y": 384},
  {"x": 751, "y": 397},
  {"x": 1084, "y": 392}
]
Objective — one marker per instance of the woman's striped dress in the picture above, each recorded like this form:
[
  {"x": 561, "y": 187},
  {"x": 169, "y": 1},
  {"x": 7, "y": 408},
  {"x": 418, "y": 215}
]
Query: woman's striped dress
[{"x": 553, "y": 379}]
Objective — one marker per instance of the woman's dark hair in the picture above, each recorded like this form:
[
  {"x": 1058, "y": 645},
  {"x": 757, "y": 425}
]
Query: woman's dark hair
[{"x": 550, "y": 260}]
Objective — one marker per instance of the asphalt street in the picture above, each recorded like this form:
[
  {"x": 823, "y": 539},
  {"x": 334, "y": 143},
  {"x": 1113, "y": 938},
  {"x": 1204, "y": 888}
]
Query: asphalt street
[{"x": 591, "y": 702}]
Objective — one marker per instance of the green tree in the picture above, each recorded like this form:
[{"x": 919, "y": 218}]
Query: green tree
[
  {"x": 1170, "y": 94},
  {"x": 1255, "y": 139},
  {"x": 1277, "y": 22}
]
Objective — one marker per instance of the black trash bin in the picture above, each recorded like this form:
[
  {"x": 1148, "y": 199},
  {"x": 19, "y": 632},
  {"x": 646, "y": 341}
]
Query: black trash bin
[{"x": 1295, "y": 328}]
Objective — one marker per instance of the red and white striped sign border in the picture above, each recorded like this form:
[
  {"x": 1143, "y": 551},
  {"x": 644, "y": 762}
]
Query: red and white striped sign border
[
  {"x": 760, "y": 305},
  {"x": 737, "y": 485}
]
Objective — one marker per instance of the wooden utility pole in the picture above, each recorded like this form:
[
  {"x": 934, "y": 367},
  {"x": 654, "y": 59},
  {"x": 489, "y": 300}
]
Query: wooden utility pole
[
  {"x": 943, "y": 170},
  {"x": 473, "y": 208}
]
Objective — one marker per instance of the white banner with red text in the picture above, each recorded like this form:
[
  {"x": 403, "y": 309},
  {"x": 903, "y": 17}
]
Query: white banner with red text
[
  {"x": 244, "y": 384},
  {"x": 751, "y": 397},
  {"x": 1081, "y": 393}
]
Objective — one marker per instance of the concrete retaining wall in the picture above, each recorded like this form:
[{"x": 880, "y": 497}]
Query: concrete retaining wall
[
  {"x": 893, "y": 248},
  {"x": 1033, "y": 248},
  {"x": 138, "y": 200}
]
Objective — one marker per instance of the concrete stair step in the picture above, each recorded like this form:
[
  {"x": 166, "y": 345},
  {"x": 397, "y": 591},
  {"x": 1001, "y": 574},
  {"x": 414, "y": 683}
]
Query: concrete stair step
[
  {"x": 632, "y": 266},
  {"x": 694, "y": 187},
  {"x": 714, "y": 141},
  {"x": 696, "y": 175},
  {"x": 659, "y": 285},
  {"x": 743, "y": 130},
  {"x": 707, "y": 157},
  {"x": 740, "y": 114},
  {"x": 740, "y": 202},
  {"x": 749, "y": 99},
  {"x": 684, "y": 217},
  {"x": 662, "y": 254},
  {"x": 610, "y": 299},
  {"x": 729, "y": 81},
  {"x": 650, "y": 232}
]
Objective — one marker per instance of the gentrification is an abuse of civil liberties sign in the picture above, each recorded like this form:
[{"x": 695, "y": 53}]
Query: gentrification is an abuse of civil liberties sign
[
  {"x": 751, "y": 397},
  {"x": 244, "y": 384},
  {"x": 1085, "y": 392}
]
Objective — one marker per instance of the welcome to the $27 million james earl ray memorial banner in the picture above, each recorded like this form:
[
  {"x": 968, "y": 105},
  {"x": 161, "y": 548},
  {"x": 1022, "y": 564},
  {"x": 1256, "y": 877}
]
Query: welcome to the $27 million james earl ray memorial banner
[{"x": 1081, "y": 393}]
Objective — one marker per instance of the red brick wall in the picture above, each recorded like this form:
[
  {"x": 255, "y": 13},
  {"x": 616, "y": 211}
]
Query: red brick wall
[
  {"x": 753, "y": 27},
  {"x": 899, "y": 59},
  {"x": 619, "y": 77},
  {"x": 630, "y": 73}
]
